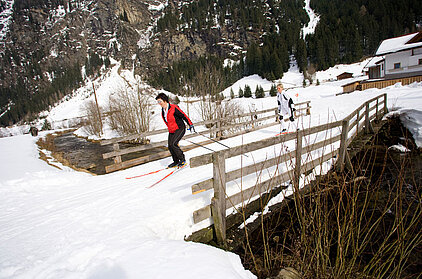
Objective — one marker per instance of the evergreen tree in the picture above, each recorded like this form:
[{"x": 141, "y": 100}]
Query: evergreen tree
[
  {"x": 240, "y": 93},
  {"x": 46, "y": 126},
  {"x": 301, "y": 55},
  {"x": 247, "y": 91},
  {"x": 231, "y": 93},
  {"x": 273, "y": 90},
  {"x": 259, "y": 92}
]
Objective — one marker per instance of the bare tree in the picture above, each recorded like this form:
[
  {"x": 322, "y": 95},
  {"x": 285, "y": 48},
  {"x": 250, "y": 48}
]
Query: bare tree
[
  {"x": 208, "y": 85},
  {"x": 94, "y": 125},
  {"x": 130, "y": 112}
]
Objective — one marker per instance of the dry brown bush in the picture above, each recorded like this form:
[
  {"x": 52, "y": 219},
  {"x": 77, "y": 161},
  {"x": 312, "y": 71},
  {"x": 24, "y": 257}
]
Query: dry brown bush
[{"x": 130, "y": 112}]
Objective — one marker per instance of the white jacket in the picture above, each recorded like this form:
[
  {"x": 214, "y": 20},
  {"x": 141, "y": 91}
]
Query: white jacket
[{"x": 284, "y": 108}]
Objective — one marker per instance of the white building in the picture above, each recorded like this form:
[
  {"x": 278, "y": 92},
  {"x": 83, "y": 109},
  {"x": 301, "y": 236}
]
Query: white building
[{"x": 397, "y": 58}]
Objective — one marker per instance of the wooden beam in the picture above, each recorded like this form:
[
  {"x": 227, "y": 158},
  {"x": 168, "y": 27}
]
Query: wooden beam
[
  {"x": 298, "y": 160},
  {"x": 343, "y": 145},
  {"x": 218, "y": 202}
]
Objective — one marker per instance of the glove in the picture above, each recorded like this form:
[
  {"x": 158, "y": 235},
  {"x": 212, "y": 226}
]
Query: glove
[
  {"x": 292, "y": 118},
  {"x": 191, "y": 128}
]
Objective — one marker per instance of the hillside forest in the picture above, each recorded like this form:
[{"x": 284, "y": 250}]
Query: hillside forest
[{"x": 269, "y": 33}]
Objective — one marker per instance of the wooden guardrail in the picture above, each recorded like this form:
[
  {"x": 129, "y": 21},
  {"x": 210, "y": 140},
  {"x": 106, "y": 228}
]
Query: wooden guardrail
[
  {"x": 247, "y": 122},
  {"x": 344, "y": 131}
]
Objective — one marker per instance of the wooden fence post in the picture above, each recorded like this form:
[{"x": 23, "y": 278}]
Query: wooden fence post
[
  {"x": 385, "y": 104},
  {"x": 308, "y": 108},
  {"x": 298, "y": 163},
  {"x": 357, "y": 123},
  {"x": 343, "y": 145},
  {"x": 368, "y": 126},
  {"x": 218, "y": 202},
  {"x": 376, "y": 109},
  {"x": 117, "y": 159}
]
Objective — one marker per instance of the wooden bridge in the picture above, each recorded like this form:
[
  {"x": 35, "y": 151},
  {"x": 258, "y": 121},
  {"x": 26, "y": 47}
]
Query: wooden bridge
[
  {"x": 314, "y": 146},
  {"x": 244, "y": 123}
]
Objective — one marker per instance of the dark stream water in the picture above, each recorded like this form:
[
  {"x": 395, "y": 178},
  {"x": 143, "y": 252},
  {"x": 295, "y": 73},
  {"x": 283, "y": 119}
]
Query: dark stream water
[{"x": 87, "y": 155}]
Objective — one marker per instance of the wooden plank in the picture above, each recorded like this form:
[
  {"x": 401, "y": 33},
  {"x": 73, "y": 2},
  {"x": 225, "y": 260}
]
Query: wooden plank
[
  {"x": 385, "y": 104},
  {"x": 144, "y": 159},
  {"x": 120, "y": 152},
  {"x": 303, "y": 103},
  {"x": 218, "y": 202},
  {"x": 146, "y": 134},
  {"x": 320, "y": 144},
  {"x": 136, "y": 161},
  {"x": 353, "y": 124},
  {"x": 205, "y": 212},
  {"x": 202, "y": 186},
  {"x": 343, "y": 145},
  {"x": 132, "y": 137},
  {"x": 321, "y": 128},
  {"x": 298, "y": 161},
  {"x": 134, "y": 149},
  {"x": 148, "y": 146},
  {"x": 246, "y": 170},
  {"x": 201, "y": 214},
  {"x": 258, "y": 189},
  {"x": 117, "y": 159},
  {"x": 318, "y": 161},
  {"x": 156, "y": 132},
  {"x": 235, "y": 151}
]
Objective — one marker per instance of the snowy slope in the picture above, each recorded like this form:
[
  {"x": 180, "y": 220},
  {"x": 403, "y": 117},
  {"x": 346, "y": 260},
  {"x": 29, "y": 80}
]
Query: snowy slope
[
  {"x": 66, "y": 224},
  {"x": 313, "y": 20},
  {"x": 5, "y": 17}
]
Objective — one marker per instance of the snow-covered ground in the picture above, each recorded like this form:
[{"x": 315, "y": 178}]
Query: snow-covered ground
[{"x": 59, "y": 223}]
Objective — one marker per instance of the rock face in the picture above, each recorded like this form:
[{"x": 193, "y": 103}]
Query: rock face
[
  {"x": 48, "y": 37},
  {"x": 44, "y": 40}
]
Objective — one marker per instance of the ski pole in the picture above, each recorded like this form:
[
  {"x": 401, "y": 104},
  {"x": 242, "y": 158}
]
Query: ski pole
[
  {"x": 217, "y": 142},
  {"x": 213, "y": 140},
  {"x": 200, "y": 145}
]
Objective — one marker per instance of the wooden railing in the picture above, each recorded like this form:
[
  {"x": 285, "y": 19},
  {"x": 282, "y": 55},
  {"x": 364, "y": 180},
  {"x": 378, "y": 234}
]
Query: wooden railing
[
  {"x": 305, "y": 147},
  {"x": 247, "y": 122},
  {"x": 388, "y": 82}
]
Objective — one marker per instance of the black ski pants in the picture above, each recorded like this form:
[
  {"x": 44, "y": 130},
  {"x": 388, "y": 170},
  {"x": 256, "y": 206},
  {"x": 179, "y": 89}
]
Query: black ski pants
[{"x": 173, "y": 145}]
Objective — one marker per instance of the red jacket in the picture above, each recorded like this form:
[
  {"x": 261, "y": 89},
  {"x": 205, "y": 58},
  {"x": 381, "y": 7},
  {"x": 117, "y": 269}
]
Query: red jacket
[{"x": 175, "y": 117}]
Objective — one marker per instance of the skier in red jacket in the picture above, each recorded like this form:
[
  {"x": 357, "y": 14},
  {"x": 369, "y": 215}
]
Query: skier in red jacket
[{"x": 175, "y": 120}]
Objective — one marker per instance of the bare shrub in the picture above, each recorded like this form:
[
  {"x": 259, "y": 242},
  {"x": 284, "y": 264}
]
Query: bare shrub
[
  {"x": 226, "y": 113},
  {"x": 93, "y": 125},
  {"x": 208, "y": 85},
  {"x": 362, "y": 223},
  {"x": 130, "y": 112}
]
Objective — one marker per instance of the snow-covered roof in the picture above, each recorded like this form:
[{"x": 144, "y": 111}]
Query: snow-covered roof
[
  {"x": 374, "y": 61},
  {"x": 399, "y": 44}
]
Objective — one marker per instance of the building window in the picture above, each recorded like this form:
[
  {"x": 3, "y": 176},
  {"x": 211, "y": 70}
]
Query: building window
[
  {"x": 420, "y": 62},
  {"x": 396, "y": 65},
  {"x": 417, "y": 51}
]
